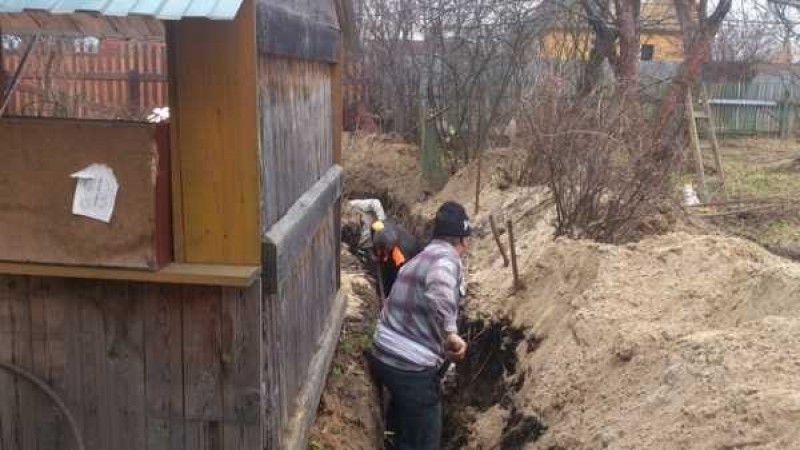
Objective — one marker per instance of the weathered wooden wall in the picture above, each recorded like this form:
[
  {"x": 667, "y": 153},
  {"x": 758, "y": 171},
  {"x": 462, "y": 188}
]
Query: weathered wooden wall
[
  {"x": 140, "y": 366},
  {"x": 297, "y": 137},
  {"x": 295, "y": 100},
  {"x": 295, "y": 318}
]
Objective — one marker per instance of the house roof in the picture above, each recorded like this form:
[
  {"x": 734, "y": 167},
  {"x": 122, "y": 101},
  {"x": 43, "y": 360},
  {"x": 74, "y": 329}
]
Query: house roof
[{"x": 160, "y": 9}]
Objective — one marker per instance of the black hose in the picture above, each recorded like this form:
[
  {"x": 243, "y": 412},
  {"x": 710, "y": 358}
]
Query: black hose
[{"x": 38, "y": 382}]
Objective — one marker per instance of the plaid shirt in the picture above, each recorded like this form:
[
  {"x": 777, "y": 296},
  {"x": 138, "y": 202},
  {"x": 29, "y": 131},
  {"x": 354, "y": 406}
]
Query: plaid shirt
[{"x": 421, "y": 310}]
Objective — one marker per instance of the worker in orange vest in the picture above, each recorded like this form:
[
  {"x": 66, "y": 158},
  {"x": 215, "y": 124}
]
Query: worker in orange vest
[{"x": 392, "y": 246}]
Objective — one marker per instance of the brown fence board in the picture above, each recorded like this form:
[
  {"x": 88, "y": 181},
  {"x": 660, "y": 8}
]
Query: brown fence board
[
  {"x": 202, "y": 368},
  {"x": 164, "y": 365},
  {"x": 95, "y": 86},
  {"x": 242, "y": 356},
  {"x": 125, "y": 358}
]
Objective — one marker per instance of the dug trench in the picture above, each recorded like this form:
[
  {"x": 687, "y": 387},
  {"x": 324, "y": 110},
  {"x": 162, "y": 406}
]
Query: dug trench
[{"x": 488, "y": 377}]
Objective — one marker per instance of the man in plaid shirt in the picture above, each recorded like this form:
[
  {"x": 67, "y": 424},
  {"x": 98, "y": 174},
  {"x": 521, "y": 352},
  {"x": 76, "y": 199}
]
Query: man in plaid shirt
[{"x": 417, "y": 332}]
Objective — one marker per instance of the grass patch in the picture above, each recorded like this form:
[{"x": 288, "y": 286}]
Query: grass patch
[{"x": 747, "y": 180}]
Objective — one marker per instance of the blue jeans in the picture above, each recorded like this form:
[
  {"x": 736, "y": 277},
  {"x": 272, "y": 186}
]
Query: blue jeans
[{"x": 415, "y": 406}]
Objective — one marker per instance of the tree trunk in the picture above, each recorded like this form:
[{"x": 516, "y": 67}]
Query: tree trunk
[
  {"x": 629, "y": 45},
  {"x": 698, "y": 32}
]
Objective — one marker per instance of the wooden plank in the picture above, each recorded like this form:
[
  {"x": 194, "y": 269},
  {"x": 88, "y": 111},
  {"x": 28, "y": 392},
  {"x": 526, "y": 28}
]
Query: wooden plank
[
  {"x": 47, "y": 340},
  {"x": 95, "y": 381},
  {"x": 200, "y": 274},
  {"x": 294, "y": 95},
  {"x": 285, "y": 240},
  {"x": 286, "y": 33},
  {"x": 27, "y": 395},
  {"x": 243, "y": 358},
  {"x": 308, "y": 400},
  {"x": 70, "y": 294},
  {"x": 163, "y": 365},
  {"x": 698, "y": 152},
  {"x": 8, "y": 382},
  {"x": 179, "y": 252},
  {"x": 202, "y": 367},
  {"x": 123, "y": 319},
  {"x": 712, "y": 131},
  {"x": 272, "y": 427},
  {"x": 214, "y": 68},
  {"x": 338, "y": 107}
]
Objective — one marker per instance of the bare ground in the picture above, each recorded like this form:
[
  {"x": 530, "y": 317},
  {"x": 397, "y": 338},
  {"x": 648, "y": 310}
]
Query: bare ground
[{"x": 348, "y": 415}]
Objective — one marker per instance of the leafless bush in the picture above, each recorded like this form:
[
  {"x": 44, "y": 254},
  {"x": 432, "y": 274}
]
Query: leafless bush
[{"x": 607, "y": 172}]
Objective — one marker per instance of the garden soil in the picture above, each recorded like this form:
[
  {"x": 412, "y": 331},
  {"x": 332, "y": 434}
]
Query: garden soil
[{"x": 688, "y": 340}]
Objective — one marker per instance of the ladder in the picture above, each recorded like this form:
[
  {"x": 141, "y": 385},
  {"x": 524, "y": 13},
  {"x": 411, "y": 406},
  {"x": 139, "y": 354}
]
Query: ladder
[{"x": 704, "y": 116}]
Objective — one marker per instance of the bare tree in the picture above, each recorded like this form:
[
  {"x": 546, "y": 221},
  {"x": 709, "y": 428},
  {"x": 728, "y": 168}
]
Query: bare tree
[
  {"x": 751, "y": 34},
  {"x": 698, "y": 28},
  {"x": 463, "y": 58}
]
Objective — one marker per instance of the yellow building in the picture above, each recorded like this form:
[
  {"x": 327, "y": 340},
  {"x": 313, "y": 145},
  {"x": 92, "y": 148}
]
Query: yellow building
[{"x": 661, "y": 40}]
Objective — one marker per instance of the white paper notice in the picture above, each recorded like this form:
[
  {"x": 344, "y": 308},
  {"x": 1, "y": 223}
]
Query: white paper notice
[{"x": 95, "y": 193}]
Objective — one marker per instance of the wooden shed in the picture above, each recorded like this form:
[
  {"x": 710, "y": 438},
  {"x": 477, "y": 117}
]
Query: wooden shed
[{"x": 203, "y": 312}]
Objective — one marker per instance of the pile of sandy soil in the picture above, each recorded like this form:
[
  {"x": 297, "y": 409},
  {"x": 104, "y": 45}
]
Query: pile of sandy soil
[
  {"x": 375, "y": 164},
  {"x": 349, "y": 416},
  {"x": 686, "y": 341}
]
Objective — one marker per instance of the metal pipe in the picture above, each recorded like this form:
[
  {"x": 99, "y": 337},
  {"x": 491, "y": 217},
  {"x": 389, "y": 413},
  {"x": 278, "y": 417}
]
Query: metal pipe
[{"x": 41, "y": 384}]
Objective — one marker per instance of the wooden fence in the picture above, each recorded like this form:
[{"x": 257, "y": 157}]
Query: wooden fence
[
  {"x": 301, "y": 184},
  {"x": 124, "y": 79},
  {"x": 755, "y": 107}
]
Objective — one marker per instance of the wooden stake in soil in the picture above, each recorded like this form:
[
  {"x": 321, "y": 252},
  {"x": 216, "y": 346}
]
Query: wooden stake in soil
[
  {"x": 510, "y": 226},
  {"x": 498, "y": 241},
  {"x": 698, "y": 152},
  {"x": 478, "y": 184},
  {"x": 712, "y": 133}
]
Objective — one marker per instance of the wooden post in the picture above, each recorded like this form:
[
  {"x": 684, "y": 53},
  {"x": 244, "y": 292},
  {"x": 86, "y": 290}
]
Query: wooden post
[
  {"x": 134, "y": 92},
  {"x": 498, "y": 241},
  {"x": 2, "y": 67},
  {"x": 698, "y": 152},
  {"x": 478, "y": 183},
  {"x": 712, "y": 131},
  {"x": 514, "y": 269},
  {"x": 338, "y": 129}
]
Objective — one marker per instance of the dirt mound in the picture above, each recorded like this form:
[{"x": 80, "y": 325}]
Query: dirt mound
[
  {"x": 376, "y": 164},
  {"x": 681, "y": 341}
]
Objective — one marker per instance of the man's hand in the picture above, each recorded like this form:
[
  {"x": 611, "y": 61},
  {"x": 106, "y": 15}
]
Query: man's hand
[{"x": 455, "y": 347}]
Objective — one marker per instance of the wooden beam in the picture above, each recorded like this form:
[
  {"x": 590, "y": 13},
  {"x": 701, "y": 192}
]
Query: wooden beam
[
  {"x": 285, "y": 33},
  {"x": 698, "y": 152},
  {"x": 176, "y": 273},
  {"x": 287, "y": 239},
  {"x": 216, "y": 137},
  {"x": 338, "y": 105},
  {"x": 178, "y": 250},
  {"x": 338, "y": 131},
  {"x": 712, "y": 131}
]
